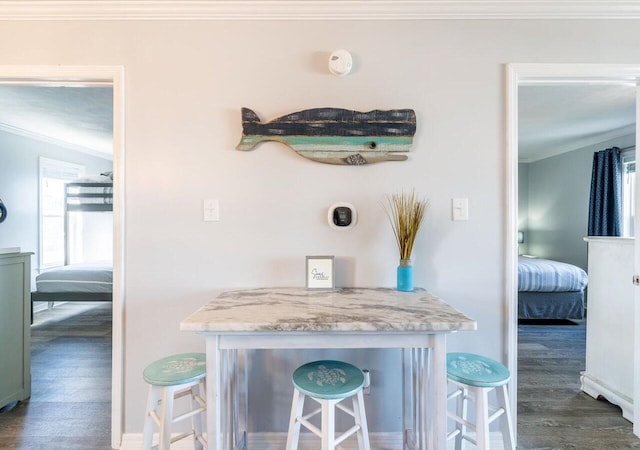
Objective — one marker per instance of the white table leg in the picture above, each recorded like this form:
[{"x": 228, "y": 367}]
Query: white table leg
[
  {"x": 408, "y": 399},
  {"x": 214, "y": 391},
  {"x": 232, "y": 439},
  {"x": 439, "y": 384},
  {"x": 417, "y": 402},
  {"x": 243, "y": 401},
  {"x": 422, "y": 399}
]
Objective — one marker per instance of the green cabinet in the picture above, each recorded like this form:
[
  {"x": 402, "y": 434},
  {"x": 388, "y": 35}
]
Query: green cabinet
[{"x": 15, "y": 323}]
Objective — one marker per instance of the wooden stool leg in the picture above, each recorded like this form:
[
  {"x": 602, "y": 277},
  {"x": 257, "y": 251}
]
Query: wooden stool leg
[
  {"x": 203, "y": 416},
  {"x": 197, "y": 419},
  {"x": 294, "y": 426},
  {"x": 328, "y": 424},
  {"x": 482, "y": 418},
  {"x": 166, "y": 417},
  {"x": 461, "y": 411},
  {"x": 505, "y": 421},
  {"x": 361, "y": 420},
  {"x": 149, "y": 424}
]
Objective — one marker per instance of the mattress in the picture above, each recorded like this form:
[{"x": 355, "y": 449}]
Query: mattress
[
  {"x": 76, "y": 278},
  {"x": 544, "y": 275}
]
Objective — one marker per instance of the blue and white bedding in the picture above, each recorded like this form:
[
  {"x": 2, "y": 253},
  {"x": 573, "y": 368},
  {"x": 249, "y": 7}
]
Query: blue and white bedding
[
  {"x": 76, "y": 278},
  {"x": 544, "y": 275}
]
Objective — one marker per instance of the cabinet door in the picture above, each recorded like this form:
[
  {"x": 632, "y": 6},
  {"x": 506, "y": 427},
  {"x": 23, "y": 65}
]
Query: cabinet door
[
  {"x": 15, "y": 383},
  {"x": 610, "y": 322}
]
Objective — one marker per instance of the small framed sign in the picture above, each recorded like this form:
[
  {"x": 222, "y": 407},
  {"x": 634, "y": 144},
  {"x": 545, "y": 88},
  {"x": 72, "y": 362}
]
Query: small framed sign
[{"x": 320, "y": 272}]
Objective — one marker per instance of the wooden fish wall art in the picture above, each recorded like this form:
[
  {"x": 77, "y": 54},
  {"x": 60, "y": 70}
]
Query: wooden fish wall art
[{"x": 336, "y": 136}]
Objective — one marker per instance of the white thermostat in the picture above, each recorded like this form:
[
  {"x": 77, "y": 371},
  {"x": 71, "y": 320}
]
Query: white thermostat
[
  {"x": 342, "y": 216},
  {"x": 340, "y": 62}
]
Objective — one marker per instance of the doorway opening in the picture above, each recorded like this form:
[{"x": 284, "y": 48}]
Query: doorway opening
[
  {"x": 552, "y": 79},
  {"x": 83, "y": 233}
]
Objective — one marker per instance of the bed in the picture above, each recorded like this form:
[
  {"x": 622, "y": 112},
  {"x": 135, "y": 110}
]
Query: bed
[
  {"x": 75, "y": 282},
  {"x": 79, "y": 282},
  {"x": 550, "y": 289}
]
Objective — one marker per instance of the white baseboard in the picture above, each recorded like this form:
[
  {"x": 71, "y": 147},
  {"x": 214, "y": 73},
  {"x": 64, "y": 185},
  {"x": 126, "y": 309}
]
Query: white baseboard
[
  {"x": 308, "y": 441},
  {"x": 596, "y": 388},
  {"x": 277, "y": 441}
]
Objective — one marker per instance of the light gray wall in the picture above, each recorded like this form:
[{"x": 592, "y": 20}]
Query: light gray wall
[
  {"x": 185, "y": 85},
  {"x": 558, "y": 203},
  {"x": 523, "y": 206},
  {"x": 19, "y": 173}
]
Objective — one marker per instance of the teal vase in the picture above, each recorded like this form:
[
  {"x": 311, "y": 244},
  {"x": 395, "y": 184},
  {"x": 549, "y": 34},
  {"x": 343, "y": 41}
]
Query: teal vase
[{"x": 405, "y": 276}]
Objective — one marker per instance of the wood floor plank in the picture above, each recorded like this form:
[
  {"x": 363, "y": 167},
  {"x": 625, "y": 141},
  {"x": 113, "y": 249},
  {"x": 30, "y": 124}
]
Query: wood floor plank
[
  {"x": 552, "y": 411},
  {"x": 70, "y": 404}
]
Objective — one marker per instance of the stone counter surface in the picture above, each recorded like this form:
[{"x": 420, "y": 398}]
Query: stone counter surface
[{"x": 343, "y": 309}]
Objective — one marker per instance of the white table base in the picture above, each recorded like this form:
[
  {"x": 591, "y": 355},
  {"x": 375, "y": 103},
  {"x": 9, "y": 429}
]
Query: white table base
[{"x": 424, "y": 379}]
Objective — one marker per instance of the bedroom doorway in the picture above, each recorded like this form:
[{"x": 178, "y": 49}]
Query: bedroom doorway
[
  {"x": 550, "y": 75},
  {"x": 61, "y": 77}
]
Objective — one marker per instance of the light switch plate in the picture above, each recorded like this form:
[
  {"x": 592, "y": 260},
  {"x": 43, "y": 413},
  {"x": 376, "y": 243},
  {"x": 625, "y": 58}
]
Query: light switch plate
[
  {"x": 460, "y": 209},
  {"x": 211, "y": 210}
]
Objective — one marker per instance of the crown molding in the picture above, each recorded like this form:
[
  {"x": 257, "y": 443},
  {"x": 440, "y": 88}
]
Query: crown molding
[
  {"x": 583, "y": 143},
  {"x": 53, "y": 141},
  {"x": 315, "y": 9}
]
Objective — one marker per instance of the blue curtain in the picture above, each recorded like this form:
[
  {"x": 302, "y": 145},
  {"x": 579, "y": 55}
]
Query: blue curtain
[{"x": 605, "y": 203}]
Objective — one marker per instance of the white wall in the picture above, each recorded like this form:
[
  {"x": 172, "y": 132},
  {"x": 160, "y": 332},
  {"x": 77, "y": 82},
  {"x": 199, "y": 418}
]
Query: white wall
[
  {"x": 185, "y": 85},
  {"x": 523, "y": 206}
]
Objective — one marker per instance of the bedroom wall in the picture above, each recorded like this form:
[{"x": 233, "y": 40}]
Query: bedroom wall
[
  {"x": 523, "y": 206},
  {"x": 185, "y": 85},
  {"x": 558, "y": 204},
  {"x": 19, "y": 173}
]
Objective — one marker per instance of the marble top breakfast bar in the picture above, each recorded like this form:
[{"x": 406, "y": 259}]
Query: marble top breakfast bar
[{"x": 297, "y": 318}]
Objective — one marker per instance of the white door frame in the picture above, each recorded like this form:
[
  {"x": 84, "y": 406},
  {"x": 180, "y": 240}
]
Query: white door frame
[
  {"x": 114, "y": 76},
  {"x": 552, "y": 73}
]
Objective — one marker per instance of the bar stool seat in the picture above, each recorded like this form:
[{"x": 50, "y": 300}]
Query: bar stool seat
[
  {"x": 474, "y": 376},
  {"x": 328, "y": 382},
  {"x": 170, "y": 379}
]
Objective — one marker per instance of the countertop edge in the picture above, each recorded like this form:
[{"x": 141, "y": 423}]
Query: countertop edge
[{"x": 203, "y": 328}]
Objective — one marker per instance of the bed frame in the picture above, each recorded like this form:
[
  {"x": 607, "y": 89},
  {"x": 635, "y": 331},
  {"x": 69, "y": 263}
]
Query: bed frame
[
  {"x": 77, "y": 200},
  {"x": 71, "y": 296}
]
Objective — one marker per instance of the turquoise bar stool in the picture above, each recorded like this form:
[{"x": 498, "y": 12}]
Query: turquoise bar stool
[
  {"x": 170, "y": 379},
  {"x": 474, "y": 376},
  {"x": 328, "y": 383}
]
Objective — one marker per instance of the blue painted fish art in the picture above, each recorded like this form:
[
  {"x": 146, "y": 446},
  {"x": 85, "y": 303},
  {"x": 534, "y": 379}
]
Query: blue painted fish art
[{"x": 336, "y": 136}]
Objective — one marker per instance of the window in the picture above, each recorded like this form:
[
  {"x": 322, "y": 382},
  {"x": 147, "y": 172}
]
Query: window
[
  {"x": 53, "y": 176},
  {"x": 628, "y": 193}
]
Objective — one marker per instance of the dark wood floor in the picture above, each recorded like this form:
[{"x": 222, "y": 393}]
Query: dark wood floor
[
  {"x": 70, "y": 404},
  {"x": 552, "y": 411}
]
